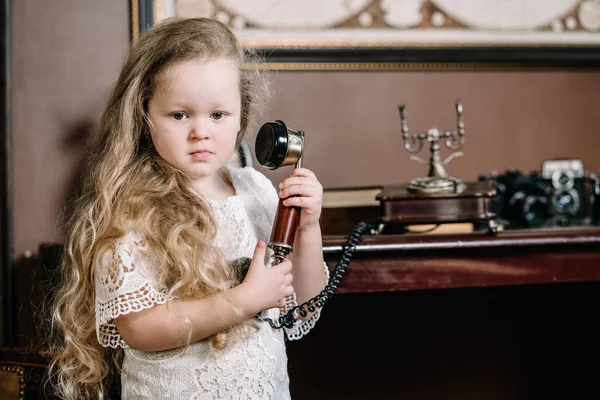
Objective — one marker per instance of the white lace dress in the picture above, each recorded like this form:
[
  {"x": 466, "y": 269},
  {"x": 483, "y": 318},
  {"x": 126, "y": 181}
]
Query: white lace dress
[{"x": 255, "y": 368}]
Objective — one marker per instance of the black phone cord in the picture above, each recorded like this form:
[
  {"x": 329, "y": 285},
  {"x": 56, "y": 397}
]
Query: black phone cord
[{"x": 289, "y": 319}]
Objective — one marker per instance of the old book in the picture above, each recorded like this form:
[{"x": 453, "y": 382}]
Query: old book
[
  {"x": 351, "y": 197},
  {"x": 344, "y": 208}
]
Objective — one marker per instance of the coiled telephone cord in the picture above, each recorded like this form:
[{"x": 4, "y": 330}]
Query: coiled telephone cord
[{"x": 289, "y": 319}]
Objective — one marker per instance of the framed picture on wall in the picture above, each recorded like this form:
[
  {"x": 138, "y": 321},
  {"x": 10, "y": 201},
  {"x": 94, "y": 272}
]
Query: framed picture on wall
[{"x": 401, "y": 34}]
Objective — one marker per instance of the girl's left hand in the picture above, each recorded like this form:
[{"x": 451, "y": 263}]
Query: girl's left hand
[{"x": 307, "y": 194}]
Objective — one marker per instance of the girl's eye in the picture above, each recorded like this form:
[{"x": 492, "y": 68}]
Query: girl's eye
[
  {"x": 178, "y": 116},
  {"x": 217, "y": 115}
]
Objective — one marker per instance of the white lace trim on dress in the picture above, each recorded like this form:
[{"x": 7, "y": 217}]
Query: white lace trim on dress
[{"x": 122, "y": 287}]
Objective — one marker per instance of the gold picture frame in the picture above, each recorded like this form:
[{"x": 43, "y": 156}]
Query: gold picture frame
[{"x": 440, "y": 37}]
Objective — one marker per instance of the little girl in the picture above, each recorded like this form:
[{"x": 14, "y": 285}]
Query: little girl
[{"x": 160, "y": 218}]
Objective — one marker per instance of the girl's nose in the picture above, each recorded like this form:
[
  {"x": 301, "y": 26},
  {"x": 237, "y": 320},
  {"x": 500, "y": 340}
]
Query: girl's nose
[{"x": 200, "y": 130}]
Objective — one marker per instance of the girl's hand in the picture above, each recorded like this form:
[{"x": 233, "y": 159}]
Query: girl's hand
[
  {"x": 303, "y": 189},
  {"x": 266, "y": 287}
]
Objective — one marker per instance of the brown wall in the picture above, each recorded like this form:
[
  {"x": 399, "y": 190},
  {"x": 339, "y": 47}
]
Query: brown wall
[
  {"x": 66, "y": 54},
  {"x": 513, "y": 119}
]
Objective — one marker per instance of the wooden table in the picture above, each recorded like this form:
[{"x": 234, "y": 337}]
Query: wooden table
[
  {"x": 512, "y": 316},
  {"x": 435, "y": 261}
]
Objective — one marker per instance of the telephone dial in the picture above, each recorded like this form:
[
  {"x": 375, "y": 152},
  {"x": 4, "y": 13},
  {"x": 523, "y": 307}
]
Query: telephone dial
[{"x": 277, "y": 146}]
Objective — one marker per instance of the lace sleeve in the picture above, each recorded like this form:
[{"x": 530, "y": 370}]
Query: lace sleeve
[
  {"x": 301, "y": 328},
  {"x": 123, "y": 285}
]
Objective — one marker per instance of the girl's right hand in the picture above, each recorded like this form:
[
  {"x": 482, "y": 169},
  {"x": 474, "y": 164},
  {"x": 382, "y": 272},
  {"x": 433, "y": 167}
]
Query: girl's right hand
[{"x": 267, "y": 287}]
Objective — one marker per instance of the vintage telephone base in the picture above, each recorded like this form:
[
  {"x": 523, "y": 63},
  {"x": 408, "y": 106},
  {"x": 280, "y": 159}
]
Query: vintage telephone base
[
  {"x": 436, "y": 184},
  {"x": 402, "y": 206}
]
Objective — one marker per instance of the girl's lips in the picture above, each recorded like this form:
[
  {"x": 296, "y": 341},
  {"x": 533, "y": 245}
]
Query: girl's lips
[{"x": 201, "y": 155}]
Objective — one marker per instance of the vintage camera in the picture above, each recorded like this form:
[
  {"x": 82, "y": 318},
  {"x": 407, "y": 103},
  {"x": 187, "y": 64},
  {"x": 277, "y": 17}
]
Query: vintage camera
[{"x": 561, "y": 195}]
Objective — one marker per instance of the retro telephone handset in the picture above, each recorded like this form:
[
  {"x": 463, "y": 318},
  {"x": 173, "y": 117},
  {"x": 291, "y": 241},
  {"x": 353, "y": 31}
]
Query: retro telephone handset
[{"x": 277, "y": 146}]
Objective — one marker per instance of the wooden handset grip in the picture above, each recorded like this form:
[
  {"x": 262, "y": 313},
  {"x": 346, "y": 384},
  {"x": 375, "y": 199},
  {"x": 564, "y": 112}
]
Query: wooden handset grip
[{"x": 286, "y": 223}]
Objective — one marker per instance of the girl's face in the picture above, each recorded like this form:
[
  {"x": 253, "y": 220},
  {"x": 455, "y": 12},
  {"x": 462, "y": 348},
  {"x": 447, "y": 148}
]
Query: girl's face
[{"x": 195, "y": 116}]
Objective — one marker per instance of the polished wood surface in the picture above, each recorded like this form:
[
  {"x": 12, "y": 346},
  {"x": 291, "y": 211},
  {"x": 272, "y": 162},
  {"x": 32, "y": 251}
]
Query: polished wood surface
[
  {"x": 399, "y": 204},
  {"x": 464, "y": 316},
  {"x": 434, "y": 261}
]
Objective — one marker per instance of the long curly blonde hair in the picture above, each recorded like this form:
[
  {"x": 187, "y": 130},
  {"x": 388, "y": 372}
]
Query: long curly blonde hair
[{"x": 127, "y": 187}]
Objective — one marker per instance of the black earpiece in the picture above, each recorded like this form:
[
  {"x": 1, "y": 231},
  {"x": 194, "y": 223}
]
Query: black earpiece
[{"x": 277, "y": 145}]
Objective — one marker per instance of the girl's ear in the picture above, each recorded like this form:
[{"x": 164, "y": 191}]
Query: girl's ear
[{"x": 145, "y": 141}]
